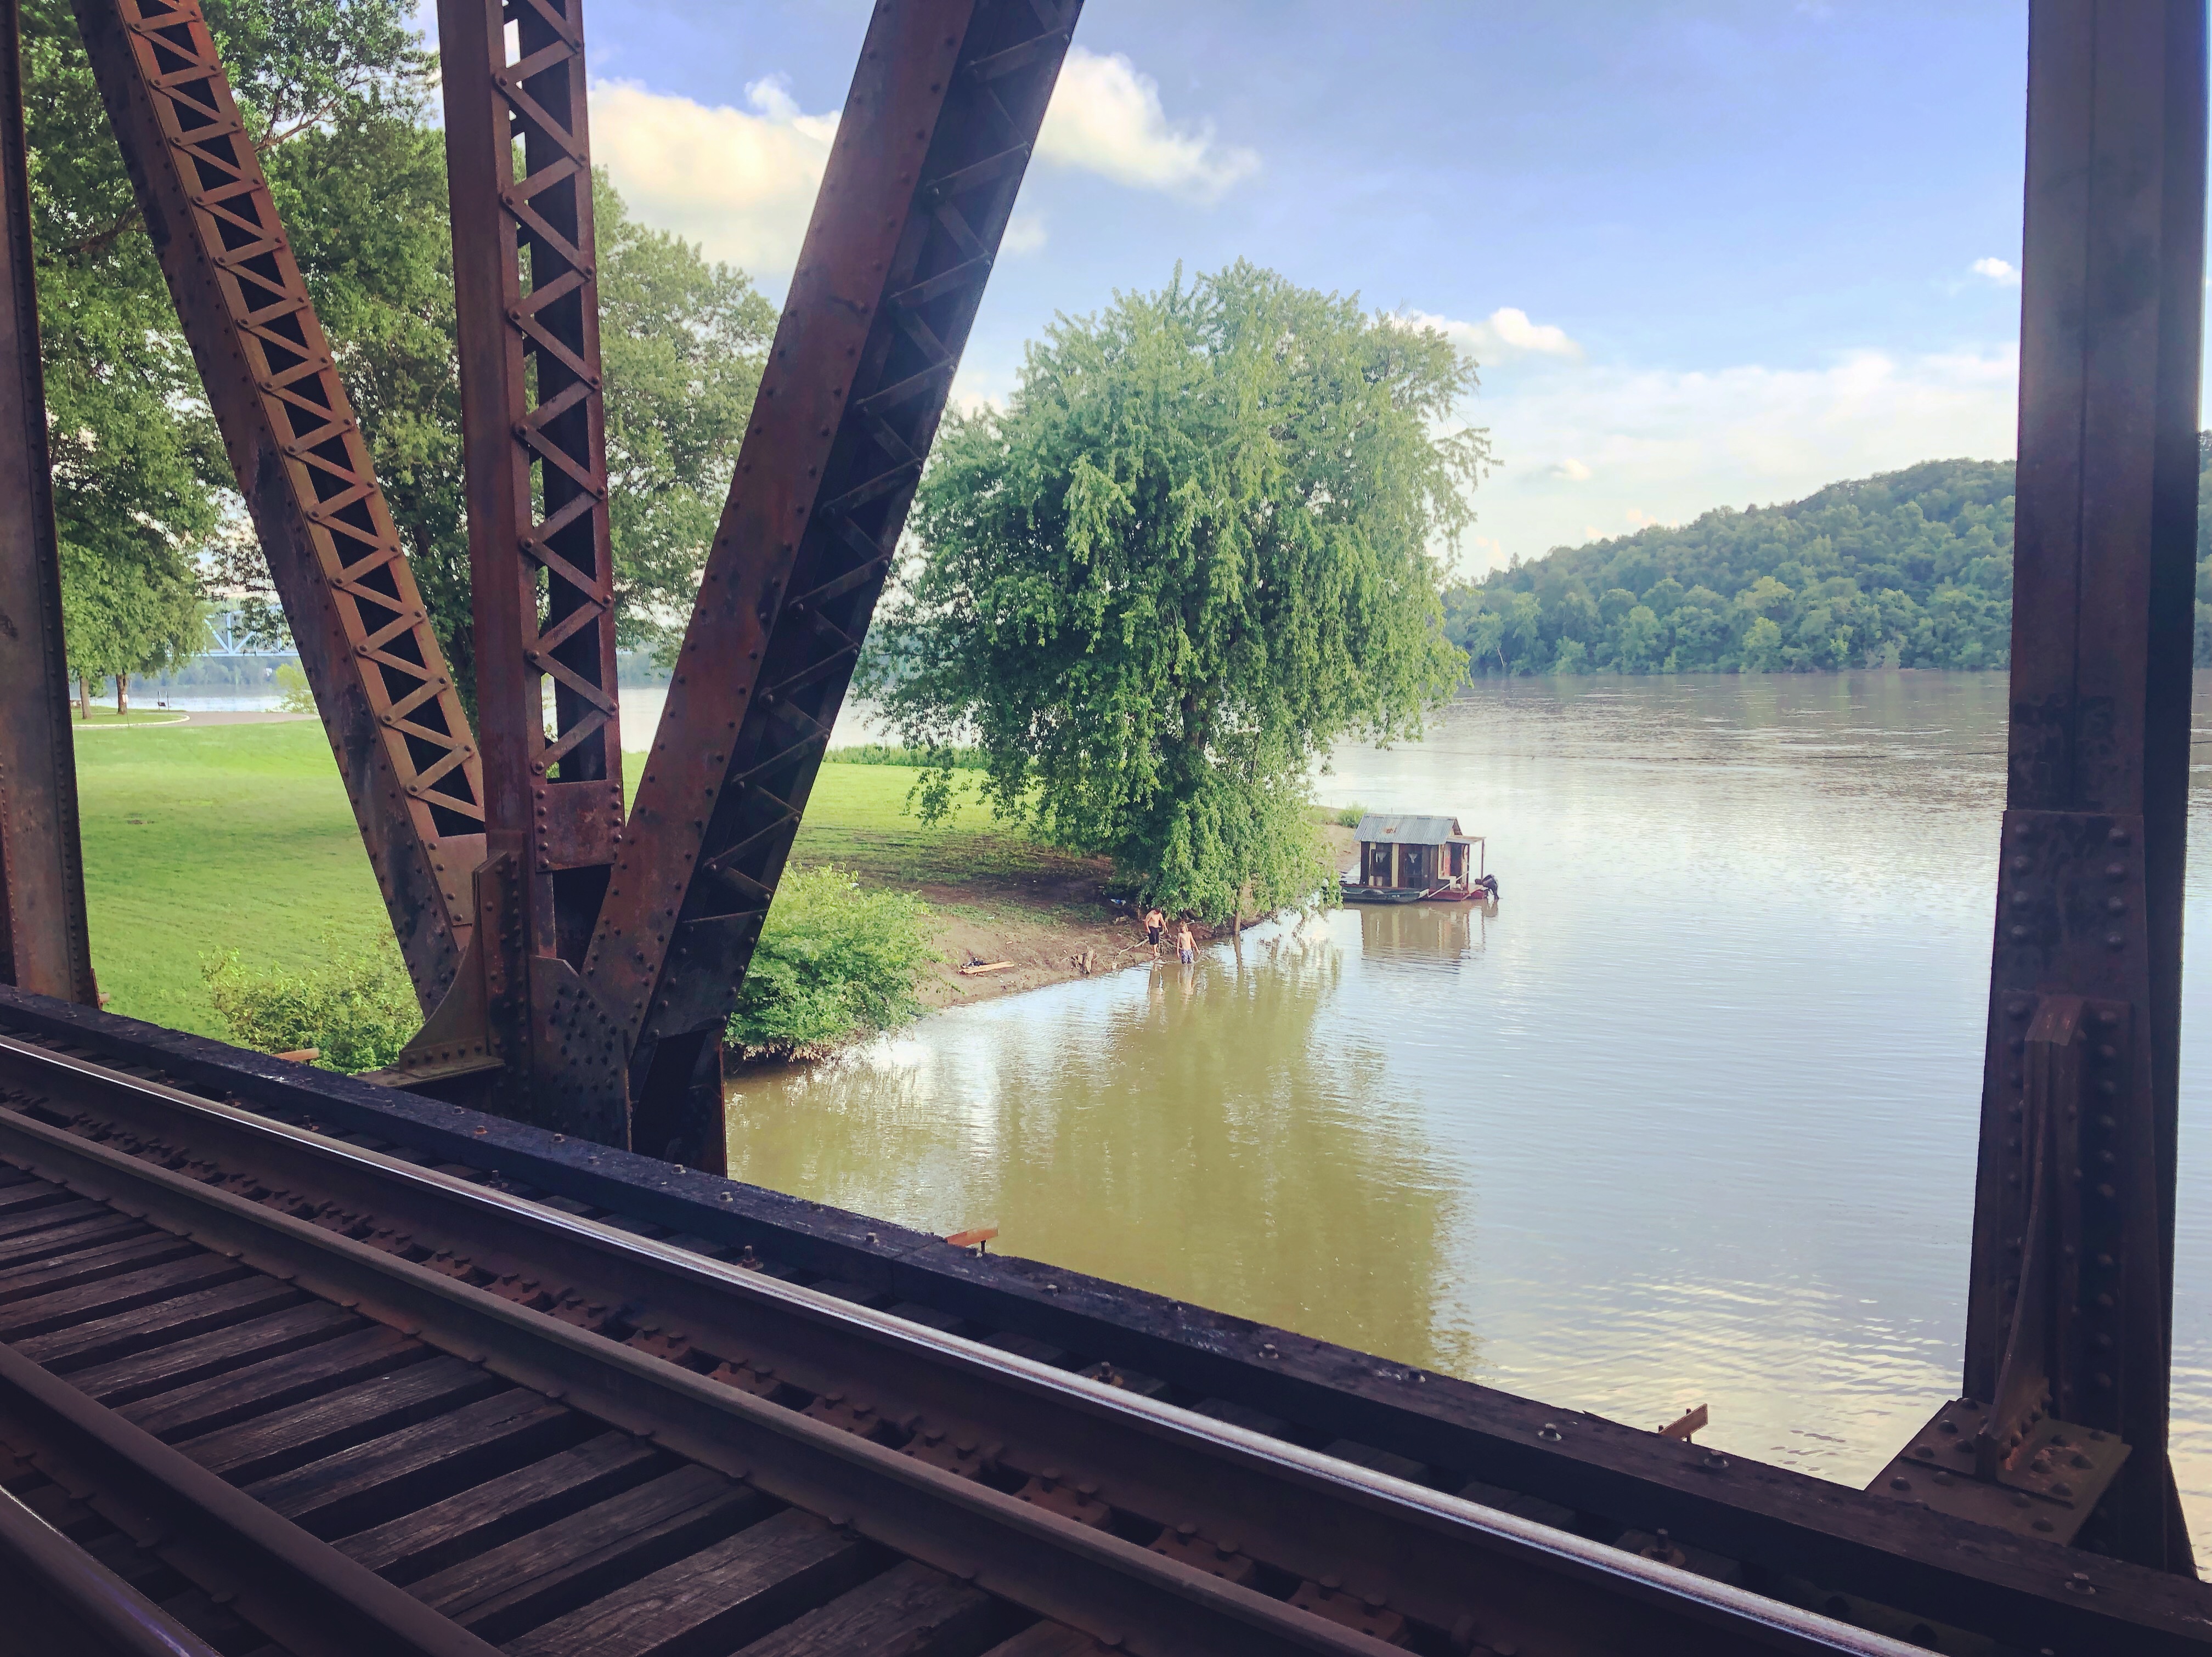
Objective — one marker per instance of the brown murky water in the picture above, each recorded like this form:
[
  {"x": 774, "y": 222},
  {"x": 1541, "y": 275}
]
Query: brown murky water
[{"x": 1691, "y": 1120}]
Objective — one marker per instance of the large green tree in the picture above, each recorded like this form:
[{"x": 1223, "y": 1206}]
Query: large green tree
[
  {"x": 133, "y": 447},
  {"x": 338, "y": 96},
  {"x": 1192, "y": 552}
]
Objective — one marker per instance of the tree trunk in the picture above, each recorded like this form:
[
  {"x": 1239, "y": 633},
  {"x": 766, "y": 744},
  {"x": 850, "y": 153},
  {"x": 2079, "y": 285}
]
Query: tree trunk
[
  {"x": 121, "y": 694},
  {"x": 83, "y": 698}
]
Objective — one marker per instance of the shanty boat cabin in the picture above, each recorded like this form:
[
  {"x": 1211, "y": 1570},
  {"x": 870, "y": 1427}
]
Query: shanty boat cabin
[{"x": 1405, "y": 857}]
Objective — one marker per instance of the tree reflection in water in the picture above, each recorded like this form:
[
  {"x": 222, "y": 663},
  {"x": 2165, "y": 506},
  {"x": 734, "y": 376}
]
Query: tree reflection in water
[{"x": 1202, "y": 1132}]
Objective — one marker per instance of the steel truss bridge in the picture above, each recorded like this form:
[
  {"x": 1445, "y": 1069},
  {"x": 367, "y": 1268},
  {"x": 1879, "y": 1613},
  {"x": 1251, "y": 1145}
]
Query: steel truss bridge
[{"x": 484, "y": 1354}]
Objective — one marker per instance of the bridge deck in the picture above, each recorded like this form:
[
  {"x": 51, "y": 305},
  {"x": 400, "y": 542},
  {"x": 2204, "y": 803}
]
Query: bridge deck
[{"x": 1594, "y": 1489}]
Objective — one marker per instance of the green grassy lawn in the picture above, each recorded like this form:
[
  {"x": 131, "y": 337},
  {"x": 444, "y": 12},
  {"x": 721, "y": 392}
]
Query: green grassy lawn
[{"x": 211, "y": 838}]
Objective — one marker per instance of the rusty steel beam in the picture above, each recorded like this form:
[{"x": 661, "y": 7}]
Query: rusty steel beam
[
  {"x": 43, "y": 943},
  {"x": 2071, "y": 1289},
  {"x": 534, "y": 434},
  {"x": 936, "y": 133},
  {"x": 396, "y": 725}
]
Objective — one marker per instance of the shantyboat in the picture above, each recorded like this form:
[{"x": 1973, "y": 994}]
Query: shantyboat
[{"x": 1409, "y": 858}]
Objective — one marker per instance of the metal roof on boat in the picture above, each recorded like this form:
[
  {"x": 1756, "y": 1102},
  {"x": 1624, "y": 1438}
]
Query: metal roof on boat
[{"x": 1408, "y": 828}]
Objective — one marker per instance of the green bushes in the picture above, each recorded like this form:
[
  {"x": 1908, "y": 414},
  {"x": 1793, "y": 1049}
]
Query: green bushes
[
  {"x": 836, "y": 962},
  {"x": 884, "y": 752},
  {"x": 357, "y": 1008},
  {"x": 1345, "y": 817},
  {"x": 293, "y": 695}
]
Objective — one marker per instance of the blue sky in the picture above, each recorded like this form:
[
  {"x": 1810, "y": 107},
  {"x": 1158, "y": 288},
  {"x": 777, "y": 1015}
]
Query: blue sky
[{"x": 1704, "y": 252}]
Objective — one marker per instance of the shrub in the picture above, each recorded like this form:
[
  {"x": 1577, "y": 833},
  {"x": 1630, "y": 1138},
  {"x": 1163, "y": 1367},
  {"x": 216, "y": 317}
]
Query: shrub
[
  {"x": 294, "y": 694},
  {"x": 880, "y": 753},
  {"x": 836, "y": 962},
  {"x": 356, "y": 1007},
  {"x": 1348, "y": 816}
]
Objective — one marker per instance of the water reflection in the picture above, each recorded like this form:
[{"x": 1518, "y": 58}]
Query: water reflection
[
  {"x": 1690, "y": 1118},
  {"x": 1187, "y": 1128},
  {"x": 1420, "y": 933}
]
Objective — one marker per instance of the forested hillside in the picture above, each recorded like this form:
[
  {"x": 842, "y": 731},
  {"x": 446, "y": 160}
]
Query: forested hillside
[{"x": 1910, "y": 569}]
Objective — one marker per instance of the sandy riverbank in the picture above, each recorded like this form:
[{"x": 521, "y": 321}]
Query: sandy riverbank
[{"x": 1045, "y": 925}]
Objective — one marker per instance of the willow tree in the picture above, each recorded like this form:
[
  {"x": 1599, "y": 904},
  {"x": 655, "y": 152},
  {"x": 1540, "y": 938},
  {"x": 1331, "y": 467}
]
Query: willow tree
[{"x": 1194, "y": 551}]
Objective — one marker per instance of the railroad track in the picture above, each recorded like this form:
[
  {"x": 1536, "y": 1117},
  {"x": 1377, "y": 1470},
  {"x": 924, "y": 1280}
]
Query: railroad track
[{"x": 293, "y": 1395}]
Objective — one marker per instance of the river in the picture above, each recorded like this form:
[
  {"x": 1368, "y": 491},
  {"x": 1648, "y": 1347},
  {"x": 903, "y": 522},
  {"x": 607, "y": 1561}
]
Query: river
[{"x": 1691, "y": 1120}]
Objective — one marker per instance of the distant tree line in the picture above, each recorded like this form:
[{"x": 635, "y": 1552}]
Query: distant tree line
[{"x": 1912, "y": 568}]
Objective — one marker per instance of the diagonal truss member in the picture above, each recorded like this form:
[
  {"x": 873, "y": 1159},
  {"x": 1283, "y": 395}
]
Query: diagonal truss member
[
  {"x": 935, "y": 136},
  {"x": 403, "y": 743},
  {"x": 534, "y": 432}
]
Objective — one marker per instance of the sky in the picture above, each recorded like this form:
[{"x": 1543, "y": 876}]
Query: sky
[{"x": 1703, "y": 251}]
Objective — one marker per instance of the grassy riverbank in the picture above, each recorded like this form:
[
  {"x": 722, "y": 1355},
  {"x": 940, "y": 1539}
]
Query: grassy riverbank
[{"x": 206, "y": 838}]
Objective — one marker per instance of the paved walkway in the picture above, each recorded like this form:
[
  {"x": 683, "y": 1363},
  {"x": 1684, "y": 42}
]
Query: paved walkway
[{"x": 155, "y": 718}]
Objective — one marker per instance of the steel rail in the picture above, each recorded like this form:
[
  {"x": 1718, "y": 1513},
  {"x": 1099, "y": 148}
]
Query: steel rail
[
  {"x": 60, "y": 1598},
  {"x": 387, "y": 699},
  {"x": 1522, "y": 1581},
  {"x": 301, "y": 1590},
  {"x": 1821, "y": 1539}
]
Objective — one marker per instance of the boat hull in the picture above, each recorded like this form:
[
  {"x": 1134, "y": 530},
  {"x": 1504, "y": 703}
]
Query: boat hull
[{"x": 1383, "y": 894}]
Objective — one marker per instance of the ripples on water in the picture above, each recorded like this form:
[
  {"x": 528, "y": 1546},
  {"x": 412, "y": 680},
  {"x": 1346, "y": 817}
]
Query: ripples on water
[{"x": 1691, "y": 1120}]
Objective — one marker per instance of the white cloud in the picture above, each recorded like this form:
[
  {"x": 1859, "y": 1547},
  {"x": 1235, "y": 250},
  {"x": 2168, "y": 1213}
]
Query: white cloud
[
  {"x": 2000, "y": 272},
  {"x": 1572, "y": 470},
  {"x": 740, "y": 182},
  {"x": 1106, "y": 117},
  {"x": 1505, "y": 332},
  {"x": 1664, "y": 445}
]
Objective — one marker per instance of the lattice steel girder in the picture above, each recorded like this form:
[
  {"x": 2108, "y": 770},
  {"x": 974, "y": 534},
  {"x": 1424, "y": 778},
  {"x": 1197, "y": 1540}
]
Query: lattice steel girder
[
  {"x": 931, "y": 149},
  {"x": 43, "y": 945},
  {"x": 534, "y": 431},
  {"x": 2070, "y": 1295},
  {"x": 395, "y": 722}
]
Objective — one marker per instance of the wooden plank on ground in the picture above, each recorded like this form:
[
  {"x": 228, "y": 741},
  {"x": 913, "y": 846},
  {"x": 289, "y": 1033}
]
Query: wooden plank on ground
[
  {"x": 103, "y": 1340},
  {"x": 910, "y": 1611},
  {"x": 496, "y": 1512},
  {"x": 41, "y": 1278},
  {"x": 718, "y": 1599},
  {"x": 588, "y": 1555},
  {"x": 130, "y": 1275},
  {"x": 179, "y": 1363},
  {"x": 105, "y": 1225},
  {"x": 1048, "y": 1640},
  {"x": 202, "y": 1407},
  {"x": 292, "y": 1437},
  {"x": 30, "y": 1194},
  {"x": 416, "y": 1465},
  {"x": 50, "y": 1214}
]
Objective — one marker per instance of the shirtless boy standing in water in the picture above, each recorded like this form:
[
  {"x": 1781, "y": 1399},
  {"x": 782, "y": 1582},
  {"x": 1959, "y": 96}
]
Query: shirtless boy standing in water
[{"x": 1155, "y": 924}]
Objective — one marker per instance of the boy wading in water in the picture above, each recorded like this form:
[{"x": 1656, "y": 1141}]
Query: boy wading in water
[
  {"x": 1185, "y": 950},
  {"x": 1155, "y": 924}
]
